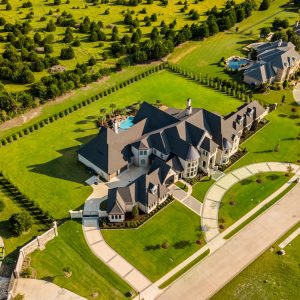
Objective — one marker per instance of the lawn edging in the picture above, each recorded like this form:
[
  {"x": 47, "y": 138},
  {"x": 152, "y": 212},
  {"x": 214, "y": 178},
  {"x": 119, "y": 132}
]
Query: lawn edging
[
  {"x": 181, "y": 272},
  {"x": 260, "y": 211}
]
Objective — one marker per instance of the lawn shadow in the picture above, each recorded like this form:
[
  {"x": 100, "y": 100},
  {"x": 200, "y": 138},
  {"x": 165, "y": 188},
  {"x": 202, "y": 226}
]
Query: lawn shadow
[
  {"x": 263, "y": 151},
  {"x": 152, "y": 247},
  {"x": 246, "y": 181},
  {"x": 66, "y": 166},
  {"x": 272, "y": 177}
]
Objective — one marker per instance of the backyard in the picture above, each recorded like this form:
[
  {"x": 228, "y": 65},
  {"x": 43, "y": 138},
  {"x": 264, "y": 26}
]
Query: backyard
[
  {"x": 270, "y": 277},
  {"x": 246, "y": 194},
  {"x": 175, "y": 225},
  {"x": 48, "y": 156},
  {"x": 89, "y": 275}
]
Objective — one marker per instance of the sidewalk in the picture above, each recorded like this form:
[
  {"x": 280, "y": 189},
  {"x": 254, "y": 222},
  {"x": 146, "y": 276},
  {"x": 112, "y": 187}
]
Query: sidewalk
[{"x": 213, "y": 197}]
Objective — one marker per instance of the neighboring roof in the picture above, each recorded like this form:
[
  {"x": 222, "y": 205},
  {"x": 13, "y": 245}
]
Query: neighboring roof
[{"x": 272, "y": 57}]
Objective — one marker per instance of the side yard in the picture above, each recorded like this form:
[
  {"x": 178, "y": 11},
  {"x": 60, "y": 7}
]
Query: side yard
[{"x": 89, "y": 275}]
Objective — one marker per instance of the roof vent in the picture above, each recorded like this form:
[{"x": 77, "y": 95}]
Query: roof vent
[
  {"x": 116, "y": 126},
  {"x": 188, "y": 110}
]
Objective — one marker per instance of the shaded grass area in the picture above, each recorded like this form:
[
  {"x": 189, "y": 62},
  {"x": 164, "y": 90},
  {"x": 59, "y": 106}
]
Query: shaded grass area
[
  {"x": 175, "y": 225},
  {"x": 181, "y": 186},
  {"x": 246, "y": 194},
  {"x": 13, "y": 243},
  {"x": 260, "y": 211},
  {"x": 89, "y": 274},
  {"x": 47, "y": 158},
  {"x": 201, "y": 188},
  {"x": 184, "y": 270},
  {"x": 271, "y": 276}
]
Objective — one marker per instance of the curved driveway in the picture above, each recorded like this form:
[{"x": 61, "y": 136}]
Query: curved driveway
[
  {"x": 296, "y": 93},
  {"x": 213, "y": 198}
]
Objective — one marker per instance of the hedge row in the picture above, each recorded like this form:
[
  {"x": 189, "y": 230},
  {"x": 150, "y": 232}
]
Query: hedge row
[
  {"x": 105, "y": 224},
  {"x": 230, "y": 87},
  {"x": 41, "y": 216},
  {"x": 26, "y": 131}
]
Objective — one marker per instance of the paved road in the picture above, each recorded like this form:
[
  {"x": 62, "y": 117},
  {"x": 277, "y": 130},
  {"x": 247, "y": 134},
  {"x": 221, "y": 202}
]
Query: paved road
[
  {"x": 296, "y": 93},
  {"x": 34, "y": 289},
  {"x": 216, "y": 270},
  {"x": 213, "y": 198}
]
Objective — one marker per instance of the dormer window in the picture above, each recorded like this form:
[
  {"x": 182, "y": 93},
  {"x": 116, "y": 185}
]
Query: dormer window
[
  {"x": 250, "y": 112},
  {"x": 153, "y": 189},
  {"x": 240, "y": 119}
]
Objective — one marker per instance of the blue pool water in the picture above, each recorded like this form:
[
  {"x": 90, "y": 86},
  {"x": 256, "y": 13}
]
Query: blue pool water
[
  {"x": 235, "y": 64},
  {"x": 126, "y": 123}
]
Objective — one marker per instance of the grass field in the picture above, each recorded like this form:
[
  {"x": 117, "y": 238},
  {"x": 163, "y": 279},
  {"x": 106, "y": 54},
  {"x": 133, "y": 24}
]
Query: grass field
[
  {"x": 176, "y": 224},
  {"x": 89, "y": 274},
  {"x": 270, "y": 277},
  {"x": 47, "y": 159},
  {"x": 181, "y": 186},
  {"x": 246, "y": 194},
  {"x": 12, "y": 243},
  {"x": 88, "y": 49},
  {"x": 201, "y": 188}
]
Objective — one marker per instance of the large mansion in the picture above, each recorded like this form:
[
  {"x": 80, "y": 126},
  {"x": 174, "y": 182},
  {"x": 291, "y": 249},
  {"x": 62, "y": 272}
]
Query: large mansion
[{"x": 169, "y": 144}]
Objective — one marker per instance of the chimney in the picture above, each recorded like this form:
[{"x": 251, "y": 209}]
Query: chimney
[
  {"x": 280, "y": 43},
  {"x": 188, "y": 110},
  {"x": 116, "y": 126}
]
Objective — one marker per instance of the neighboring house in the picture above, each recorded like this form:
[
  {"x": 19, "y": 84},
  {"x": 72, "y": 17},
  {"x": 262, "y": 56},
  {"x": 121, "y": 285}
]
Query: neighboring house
[
  {"x": 169, "y": 144},
  {"x": 276, "y": 62}
]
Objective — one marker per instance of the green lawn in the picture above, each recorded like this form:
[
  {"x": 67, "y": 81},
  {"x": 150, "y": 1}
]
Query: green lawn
[
  {"x": 201, "y": 188},
  {"x": 176, "y": 224},
  {"x": 47, "y": 158},
  {"x": 89, "y": 274},
  {"x": 12, "y": 243},
  {"x": 246, "y": 194},
  {"x": 181, "y": 186},
  {"x": 270, "y": 277}
]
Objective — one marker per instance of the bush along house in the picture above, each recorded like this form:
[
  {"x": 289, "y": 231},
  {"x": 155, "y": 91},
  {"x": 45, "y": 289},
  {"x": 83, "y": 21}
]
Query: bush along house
[{"x": 170, "y": 144}]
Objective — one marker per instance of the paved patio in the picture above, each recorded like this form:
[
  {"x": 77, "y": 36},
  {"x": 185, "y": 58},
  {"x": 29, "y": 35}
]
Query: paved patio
[{"x": 213, "y": 197}]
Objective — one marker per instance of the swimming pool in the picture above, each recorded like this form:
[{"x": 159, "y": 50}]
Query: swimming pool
[
  {"x": 236, "y": 63},
  {"x": 126, "y": 123}
]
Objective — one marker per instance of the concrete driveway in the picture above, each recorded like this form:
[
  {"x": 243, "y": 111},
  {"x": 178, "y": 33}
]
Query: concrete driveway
[
  {"x": 296, "y": 93},
  {"x": 220, "y": 267},
  {"x": 34, "y": 289}
]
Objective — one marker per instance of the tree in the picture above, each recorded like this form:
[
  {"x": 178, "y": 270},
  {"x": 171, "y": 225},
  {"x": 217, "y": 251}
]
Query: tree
[
  {"x": 264, "y": 32},
  {"x": 2, "y": 21},
  {"x": 112, "y": 106},
  {"x": 289, "y": 170},
  {"x": 50, "y": 26},
  {"x": 20, "y": 223},
  {"x": 264, "y": 5},
  {"x": 2, "y": 205},
  {"x": 259, "y": 177},
  {"x": 135, "y": 211},
  {"x": 56, "y": 2},
  {"x": 67, "y": 53}
]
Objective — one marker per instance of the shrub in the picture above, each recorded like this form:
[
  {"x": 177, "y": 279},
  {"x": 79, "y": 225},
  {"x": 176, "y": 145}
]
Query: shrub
[{"x": 20, "y": 222}]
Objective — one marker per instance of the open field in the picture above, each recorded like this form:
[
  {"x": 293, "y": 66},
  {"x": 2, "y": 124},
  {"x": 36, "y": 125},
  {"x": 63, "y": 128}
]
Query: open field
[
  {"x": 203, "y": 57},
  {"x": 89, "y": 274},
  {"x": 47, "y": 159},
  {"x": 175, "y": 224},
  {"x": 246, "y": 194},
  {"x": 271, "y": 276},
  {"x": 80, "y": 9}
]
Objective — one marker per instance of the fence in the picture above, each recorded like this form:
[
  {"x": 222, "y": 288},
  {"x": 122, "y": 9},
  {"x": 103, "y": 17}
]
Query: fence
[{"x": 38, "y": 243}]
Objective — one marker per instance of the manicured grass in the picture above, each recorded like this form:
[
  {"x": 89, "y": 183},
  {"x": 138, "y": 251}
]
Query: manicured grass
[
  {"x": 271, "y": 276},
  {"x": 181, "y": 186},
  {"x": 12, "y": 243},
  {"x": 47, "y": 158},
  {"x": 89, "y": 274},
  {"x": 201, "y": 188},
  {"x": 184, "y": 270},
  {"x": 176, "y": 224},
  {"x": 246, "y": 194},
  {"x": 260, "y": 211}
]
